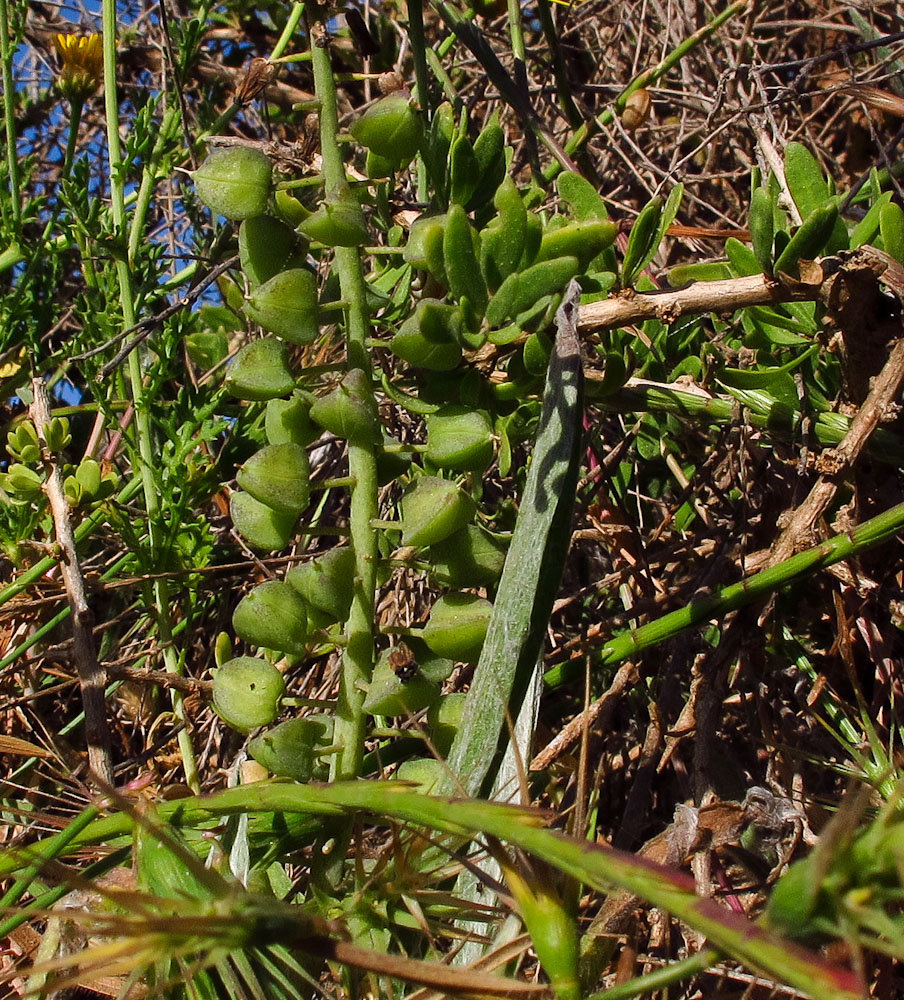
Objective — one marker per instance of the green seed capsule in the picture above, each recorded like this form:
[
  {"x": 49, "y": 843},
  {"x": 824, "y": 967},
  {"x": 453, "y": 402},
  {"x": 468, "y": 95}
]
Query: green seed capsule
[
  {"x": 457, "y": 626},
  {"x": 260, "y": 371},
  {"x": 279, "y": 475},
  {"x": 390, "y": 694},
  {"x": 350, "y": 410},
  {"x": 460, "y": 438},
  {"x": 337, "y": 224},
  {"x": 424, "y": 772},
  {"x": 433, "y": 509},
  {"x": 266, "y": 247},
  {"x": 391, "y": 128},
  {"x": 288, "y": 421},
  {"x": 234, "y": 182},
  {"x": 273, "y": 616},
  {"x": 287, "y": 306},
  {"x": 327, "y": 582},
  {"x": 260, "y": 525},
  {"x": 247, "y": 692},
  {"x": 443, "y": 720},
  {"x": 207, "y": 348},
  {"x": 288, "y": 750},
  {"x": 431, "y": 337},
  {"x": 471, "y": 557}
]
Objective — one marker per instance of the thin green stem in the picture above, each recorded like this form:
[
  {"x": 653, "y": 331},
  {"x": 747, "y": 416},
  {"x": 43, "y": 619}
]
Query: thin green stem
[
  {"x": 419, "y": 48},
  {"x": 144, "y": 432},
  {"x": 358, "y": 656},
  {"x": 294, "y": 19},
  {"x": 9, "y": 116},
  {"x": 149, "y": 178},
  {"x": 75, "y": 118},
  {"x": 737, "y": 595}
]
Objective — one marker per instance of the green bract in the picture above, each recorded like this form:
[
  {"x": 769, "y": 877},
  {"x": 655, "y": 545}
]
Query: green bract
[
  {"x": 272, "y": 616},
  {"x": 234, "y": 182},
  {"x": 433, "y": 510},
  {"x": 391, "y": 128},
  {"x": 327, "y": 582},
  {"x": 470, "y": 557},
  {"x": 279, "y": 475},
  {"x": 260, "y": 371},
  {"x": 337, "y": 224},
  {"x": 287, "y": 305},
  {"x": 260, "y": 525},
  {"x": 247, "y": 692},
  {"x": 460, "y": 438},
  {"x": 457, "y": 626}
]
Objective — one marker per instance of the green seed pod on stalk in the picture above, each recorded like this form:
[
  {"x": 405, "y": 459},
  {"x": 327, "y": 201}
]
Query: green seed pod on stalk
[
  {"x": 457, "y": 626},
  {"x": 273, "y": 616},
  {"x": 260, "y": 371},
  {"x": 469, "y": 558},
  {"x": 266, "y": 247},
  {"x": 460, "y": 438},
  {"x": 433, "y": 510},
  {"x": 337, "y": 223},
  {"x": 350, "y": 410},
  {"x": 279, "y": 475},
  {"x": 430, "y": 337},
  {"x": 288, "y": 750},
  {"x": 286, "y": 305},
  {"x": 327, "y": 582},
  {"x": 260, "y": 525},
  {"x": 247, "y": 693},
  {"x": 235, "y": 182},
  {"x": 443, "y": 720},
  {"x": 288, "y": 421},
  {"x": 390, "y": 694},
  {"x": 392, "y": 128}
]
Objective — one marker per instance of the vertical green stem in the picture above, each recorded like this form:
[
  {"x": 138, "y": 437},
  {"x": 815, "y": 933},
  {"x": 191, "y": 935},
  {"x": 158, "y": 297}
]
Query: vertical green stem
[
  {"x": 288, "y": 31},
  {"x": 9, "y": 115},
  {"x": 358, "y": 657},
  {"x": 146, "y": 456}
]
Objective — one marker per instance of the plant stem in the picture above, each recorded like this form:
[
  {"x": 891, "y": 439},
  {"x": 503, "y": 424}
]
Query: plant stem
[
  {"x": 288, "y": 31},
  {"x": 147, "y": 459},
  {"x": 358, "y": 656},
  {"x": 9, "y": 117},
  {"x": 736, "y": 595}
]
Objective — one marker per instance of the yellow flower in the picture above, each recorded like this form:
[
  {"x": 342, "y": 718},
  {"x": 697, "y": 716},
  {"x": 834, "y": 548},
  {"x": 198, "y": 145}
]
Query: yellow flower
[{"x": 82, "y": 65}]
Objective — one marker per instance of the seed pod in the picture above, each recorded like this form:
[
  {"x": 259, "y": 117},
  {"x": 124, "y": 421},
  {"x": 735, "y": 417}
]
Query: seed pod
[
  {"x": 424, "y": 772},
  {"x": 637, "y": 109},
  {"x": 431, "y": 337},
  {"x": 391, "y": 128},
  {"x": 443, "y": 719},
  {"x": 272, "y": 616},
  {"x": 457, "y": 626},
  {"x": 260, "y": 525},
  {"x": 337, "y": 224},
  {"x": 350, "y": 410},
  {"x": 287, "y": 306},
  {"x": 583, "y": 240},
  {"x": 471, "y": 557},
  {"x": 279, "y": 475},
  {"x": 207, "y": 348},
  {"x": 260, "y": 371},
  {"x": 520, "y": 291},
  {"x": 460, "y": 259},
  {"x": 388, "y": 694},
  {"x": 762, "y": 228},
  {"x": 288, "y": 421},
  {"x": 433, "y": 509},
  {"x": 327, "y": 582},
  {"x": 810, "y": 239},
  {"x": 247, "y": 692},
  {"x": 288, "y": 750},
  {"x": 460, "y": 438},
  {"x": 234, "y": 182},
  {"x": 266, "y": 247}
]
